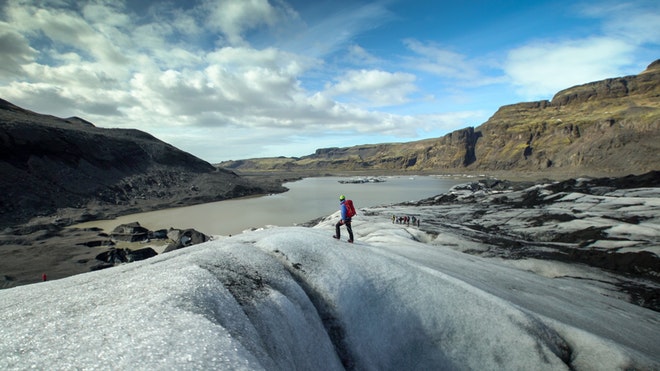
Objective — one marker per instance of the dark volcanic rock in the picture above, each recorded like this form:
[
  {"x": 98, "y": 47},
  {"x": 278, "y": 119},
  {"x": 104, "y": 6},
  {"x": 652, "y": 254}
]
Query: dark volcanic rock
[
  {"x": 129, "y": 228},
  {"x": 113, "y": 256},
  {"x": 133, "y": 232},
  {"x": 141, "y": 254},
  {"x": 118, "y": 256},
  {"x": 130, "y": 232},
  {"x": 97, "y": 243},
  {"x": 604, "y": 185},
  {"x": 184, "y": 238}
]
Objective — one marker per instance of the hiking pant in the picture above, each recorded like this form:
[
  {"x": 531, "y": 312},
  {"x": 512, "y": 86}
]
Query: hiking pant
[{"x": 347, "y": 223}]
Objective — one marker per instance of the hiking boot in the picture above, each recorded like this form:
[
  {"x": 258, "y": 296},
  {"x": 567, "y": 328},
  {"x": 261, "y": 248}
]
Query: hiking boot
[
  {"x": 335, "y": 237},
  {"x": 351, "y": 241}
]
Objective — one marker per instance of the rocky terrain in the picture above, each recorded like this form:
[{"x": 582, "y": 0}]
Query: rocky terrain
[
  {"x": 56, "y": 172},
  {"x": 611, "y": 224},
  {"x": 604, "y": 128}
]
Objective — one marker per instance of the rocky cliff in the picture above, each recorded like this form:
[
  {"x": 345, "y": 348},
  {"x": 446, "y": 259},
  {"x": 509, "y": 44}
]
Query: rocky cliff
[
  {"x": 49, "y": 164},
  {"x": 609, "y": 126},
  {"x": 612, "y": 125}
]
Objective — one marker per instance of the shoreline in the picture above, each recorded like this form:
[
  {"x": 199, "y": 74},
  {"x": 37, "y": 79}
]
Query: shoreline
[{"x": 50, "y": 241}]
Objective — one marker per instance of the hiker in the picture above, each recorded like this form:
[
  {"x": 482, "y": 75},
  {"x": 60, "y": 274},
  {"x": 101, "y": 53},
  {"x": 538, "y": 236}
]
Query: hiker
[{"x": 345, "y": 220}]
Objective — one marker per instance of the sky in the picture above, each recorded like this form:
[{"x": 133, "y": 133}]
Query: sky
[{"x": 236, "y": 79}]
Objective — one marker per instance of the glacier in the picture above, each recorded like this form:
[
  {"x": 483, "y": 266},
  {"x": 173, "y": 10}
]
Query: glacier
[{"x": 293, "y": 298}]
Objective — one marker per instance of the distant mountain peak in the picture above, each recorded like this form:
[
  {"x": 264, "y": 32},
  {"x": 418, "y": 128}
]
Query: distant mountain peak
[
  {"x": 8, "y": 106},
  {"x": 78, "y": 121},
  {"x": 653, "y": 67}
]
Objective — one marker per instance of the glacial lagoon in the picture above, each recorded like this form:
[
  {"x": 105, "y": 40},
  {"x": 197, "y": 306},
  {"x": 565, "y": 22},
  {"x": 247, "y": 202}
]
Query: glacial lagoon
[{"x": 306, "y": 200}]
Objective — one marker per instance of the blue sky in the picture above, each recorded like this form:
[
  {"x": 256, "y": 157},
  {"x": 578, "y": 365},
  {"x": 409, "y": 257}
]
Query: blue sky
[{"x": 234, "y": 79}]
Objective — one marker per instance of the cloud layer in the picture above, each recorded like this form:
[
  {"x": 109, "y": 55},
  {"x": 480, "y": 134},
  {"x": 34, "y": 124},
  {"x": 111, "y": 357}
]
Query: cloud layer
[{"x": 234, "y": 79}]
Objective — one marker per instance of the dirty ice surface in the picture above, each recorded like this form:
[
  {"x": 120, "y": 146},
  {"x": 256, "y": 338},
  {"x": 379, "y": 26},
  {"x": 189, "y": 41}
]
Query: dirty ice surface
[{"x": 293, "y": 298}]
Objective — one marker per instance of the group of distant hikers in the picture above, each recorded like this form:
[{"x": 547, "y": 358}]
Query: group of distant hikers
[{"x": 406, "y": 220}]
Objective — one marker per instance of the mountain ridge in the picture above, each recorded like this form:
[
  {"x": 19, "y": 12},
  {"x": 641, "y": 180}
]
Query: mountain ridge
[
  {"x": 610, "y": 126},
  {"x": 50, "y": 164}
]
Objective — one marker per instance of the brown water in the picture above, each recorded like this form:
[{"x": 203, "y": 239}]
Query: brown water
[{"x": 306, "y": 199}]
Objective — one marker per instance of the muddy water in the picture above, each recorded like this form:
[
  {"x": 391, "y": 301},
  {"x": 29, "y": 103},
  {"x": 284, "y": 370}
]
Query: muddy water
[{"x": 306, "y": 199}]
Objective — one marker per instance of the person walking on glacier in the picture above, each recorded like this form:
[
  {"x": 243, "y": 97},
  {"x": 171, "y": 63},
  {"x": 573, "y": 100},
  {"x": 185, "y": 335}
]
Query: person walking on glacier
[{"x": 347, "y": 211}]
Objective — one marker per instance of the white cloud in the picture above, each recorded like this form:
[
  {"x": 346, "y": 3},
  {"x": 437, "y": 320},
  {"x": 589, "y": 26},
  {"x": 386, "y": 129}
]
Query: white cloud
[
  {"x": 106, "y": 16},
  {"x": 172, "y": 88},
  {"x": 336, "y": 29},
  {"x": 235, "y": 17},
  {"x": 66, "y": 27},
  {"x": 637, "y": 22},
  {"x": 441, "y": 62},
  {"x": 438, "y": 124},
  {"x": 260, "y": 98},
  {"x": 47, "y": 97},
  {"x": 541, "y": 69},
  {"x": 15, "y": 51},
  {"x": 246, "y": 58},
  {"x": 359, "y": 56},
  {"x": 374, "y": 87}
]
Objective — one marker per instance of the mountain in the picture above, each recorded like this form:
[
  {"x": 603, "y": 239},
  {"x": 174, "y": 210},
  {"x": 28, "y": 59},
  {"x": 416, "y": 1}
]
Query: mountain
[
  {"x": 605, "y": 127},
  {"x": 49, "y": 164}
]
